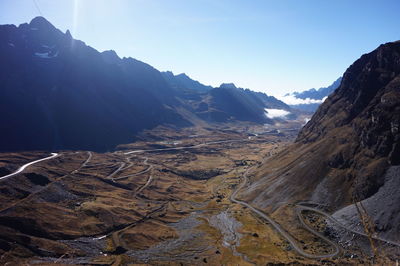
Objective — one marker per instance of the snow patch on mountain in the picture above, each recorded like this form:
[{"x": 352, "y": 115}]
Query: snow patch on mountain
[{"x": 46, "y": 55}]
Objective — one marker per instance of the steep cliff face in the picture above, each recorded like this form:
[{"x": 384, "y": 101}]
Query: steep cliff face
[{"x": 342, "y": 154}]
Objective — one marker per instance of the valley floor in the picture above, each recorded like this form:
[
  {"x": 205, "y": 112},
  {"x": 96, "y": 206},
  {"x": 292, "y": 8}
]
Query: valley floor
[{"x": 170, "y": 199}]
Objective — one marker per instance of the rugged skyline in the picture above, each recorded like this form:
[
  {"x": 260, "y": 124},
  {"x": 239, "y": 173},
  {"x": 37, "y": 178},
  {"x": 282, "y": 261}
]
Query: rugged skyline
[
  {"x": 78, "y": 98},
  {"x": 255, "y": 45}
]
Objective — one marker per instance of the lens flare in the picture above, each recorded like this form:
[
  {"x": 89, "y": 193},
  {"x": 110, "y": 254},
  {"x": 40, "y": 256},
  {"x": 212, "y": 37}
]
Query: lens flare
[{"x": 75, "y": 17}]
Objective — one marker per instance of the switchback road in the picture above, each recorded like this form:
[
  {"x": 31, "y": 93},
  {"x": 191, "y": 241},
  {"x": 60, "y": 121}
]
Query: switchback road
[
  {"x": 22, "y": 168},
  {"x": 280, "y": 230}
]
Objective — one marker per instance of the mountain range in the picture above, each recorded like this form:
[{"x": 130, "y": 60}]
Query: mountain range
[
  {"x": 184, "y": 82},
  {"x": 318, "y": 94},
  {"x": 63, "y": 94},
  {"x": 309, "y": 100}
]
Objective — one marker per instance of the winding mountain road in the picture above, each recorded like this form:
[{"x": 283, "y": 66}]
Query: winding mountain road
[
  {"x": 29, "y": 197},
  {"x": 310, "y": 229},
  {"x": 150, "y": 176},
  {"x": 121, "y": 167},
  {"x": 301, "y": 207},
  {"x": 110, "y": 176},
  {"x": 149, "y": 167},
  {"x": 22, "y": 168},
  {"x": 278, "y": 228},
  {"x": 145, "y": 185},
  {"x": 84, "y": 164},
  {"x": 169, "y": 149},
  {"x": 188, "y": 147}
]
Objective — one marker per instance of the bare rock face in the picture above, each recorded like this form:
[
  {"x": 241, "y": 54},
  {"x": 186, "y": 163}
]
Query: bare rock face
[
  {"x": 367, "y": 100},
  {"x": 367, "y": 104},
  {"x": 342, "y": 154}
]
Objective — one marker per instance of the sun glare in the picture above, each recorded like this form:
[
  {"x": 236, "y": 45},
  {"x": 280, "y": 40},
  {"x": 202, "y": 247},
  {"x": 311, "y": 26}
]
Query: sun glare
[{"x": 75, "y": 17}]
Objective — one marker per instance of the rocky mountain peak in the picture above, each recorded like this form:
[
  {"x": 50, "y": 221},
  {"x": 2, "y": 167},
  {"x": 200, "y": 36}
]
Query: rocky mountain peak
[
  {"x": 182, "y": 75},
  {"x": 228, "y": 86},
  {"x": 40, "y": 23},
  {"x": 68, "y": 34},
  {"x": 111, "y": 57}
]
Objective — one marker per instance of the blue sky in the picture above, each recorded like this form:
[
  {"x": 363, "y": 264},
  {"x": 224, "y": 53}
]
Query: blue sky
[{"x": 271, "y": 46}]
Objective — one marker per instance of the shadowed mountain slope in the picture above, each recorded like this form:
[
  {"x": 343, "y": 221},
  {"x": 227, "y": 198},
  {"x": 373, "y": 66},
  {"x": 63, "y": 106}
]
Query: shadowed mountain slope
[
  {"x": 58, "y": 93},
  {"x": 182, "y": 81},
  {"x": 229, "y": 104}
]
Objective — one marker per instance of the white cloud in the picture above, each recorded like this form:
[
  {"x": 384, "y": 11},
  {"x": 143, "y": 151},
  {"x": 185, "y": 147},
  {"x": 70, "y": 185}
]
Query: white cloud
[
  {"x": 275, "y": 113},
  {"x": 292, "y": 100}
]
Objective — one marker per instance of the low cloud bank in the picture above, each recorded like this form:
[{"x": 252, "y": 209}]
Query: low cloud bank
[
  {"x": 292, "y": 100},
  {"x": 276, "y": 113}
]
